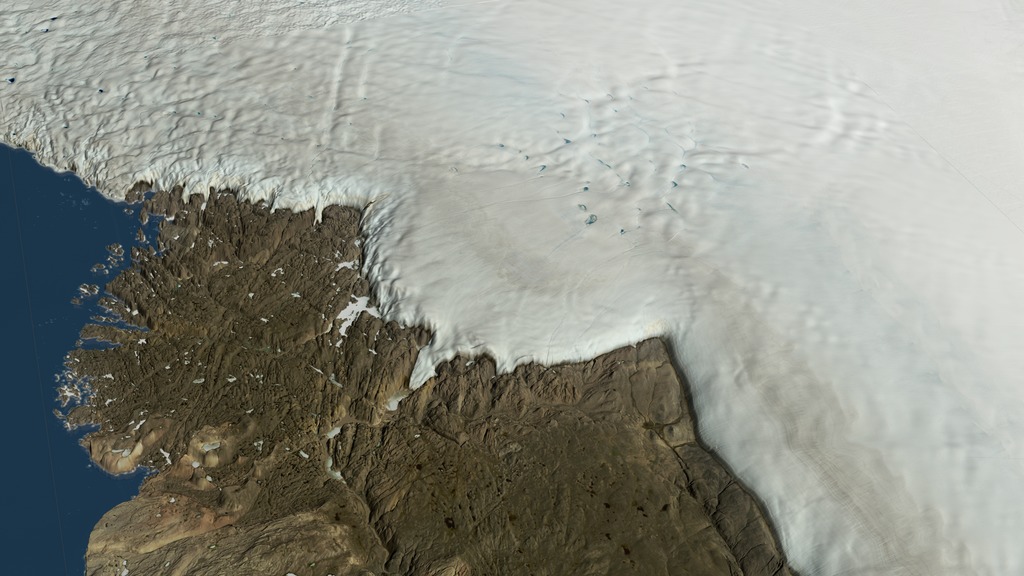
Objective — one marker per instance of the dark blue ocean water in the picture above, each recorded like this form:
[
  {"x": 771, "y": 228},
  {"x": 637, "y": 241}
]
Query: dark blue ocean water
[{"x": 52, "y": 230}]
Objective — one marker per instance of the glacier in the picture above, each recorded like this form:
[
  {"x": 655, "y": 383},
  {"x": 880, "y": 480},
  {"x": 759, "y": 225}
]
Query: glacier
[{"x": 818, "y": 206}]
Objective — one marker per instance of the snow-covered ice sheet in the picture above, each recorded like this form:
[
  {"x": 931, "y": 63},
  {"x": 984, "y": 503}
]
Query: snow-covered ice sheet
[{"x": 818, "y": 204}]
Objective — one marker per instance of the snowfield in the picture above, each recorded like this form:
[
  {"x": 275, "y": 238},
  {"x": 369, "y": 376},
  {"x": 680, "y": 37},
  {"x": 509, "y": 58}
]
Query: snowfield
[{"x": 820, "y": 207}]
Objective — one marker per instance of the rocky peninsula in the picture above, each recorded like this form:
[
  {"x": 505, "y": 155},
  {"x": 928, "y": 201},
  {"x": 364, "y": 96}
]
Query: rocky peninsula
[{"x": 250, "y": 370}]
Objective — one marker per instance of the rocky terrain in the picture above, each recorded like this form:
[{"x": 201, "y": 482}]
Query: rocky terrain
[{"x": 249, "y": 369}]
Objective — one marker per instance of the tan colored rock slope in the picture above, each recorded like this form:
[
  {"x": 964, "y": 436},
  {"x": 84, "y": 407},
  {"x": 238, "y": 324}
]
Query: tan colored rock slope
[{"x": 276, "y": 452}]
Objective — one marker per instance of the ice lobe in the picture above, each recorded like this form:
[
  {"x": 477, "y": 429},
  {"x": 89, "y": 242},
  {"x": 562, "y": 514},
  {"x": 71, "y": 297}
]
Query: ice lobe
[{"x": 819, "y": 206}]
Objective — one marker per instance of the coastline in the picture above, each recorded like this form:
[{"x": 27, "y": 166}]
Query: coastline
[
  {"x": 54, "y": 229},
  {"x": 824, "y": 225}
]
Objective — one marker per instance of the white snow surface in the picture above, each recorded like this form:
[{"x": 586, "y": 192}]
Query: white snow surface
[
  {"x": 352, "y": 311},
  {"x": 819, "y": 205}
]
